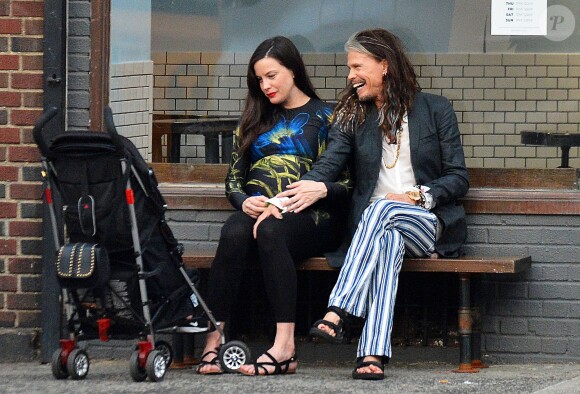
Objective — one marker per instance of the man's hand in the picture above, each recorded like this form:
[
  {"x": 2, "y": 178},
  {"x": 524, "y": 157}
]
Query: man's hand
[
  {"x": 303, "y": 194},
  {"x": 272, "y": 210},
  {"x": 254, "y": 206},
  {"x": 400, "y": 197}
]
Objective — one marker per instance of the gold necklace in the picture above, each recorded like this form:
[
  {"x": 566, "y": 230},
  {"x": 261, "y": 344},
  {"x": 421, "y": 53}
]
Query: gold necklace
[{"x": 390, "y": 166}]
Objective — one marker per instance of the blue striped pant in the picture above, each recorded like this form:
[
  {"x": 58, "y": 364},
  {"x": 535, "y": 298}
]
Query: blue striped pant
[{"x": 367, "y": 283}]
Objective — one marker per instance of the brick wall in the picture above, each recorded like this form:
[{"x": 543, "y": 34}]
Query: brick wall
[
  {"x": 21, "y": 101},
  {"x": 495, "y": 96},
  {"x": 530, "y": 317}
]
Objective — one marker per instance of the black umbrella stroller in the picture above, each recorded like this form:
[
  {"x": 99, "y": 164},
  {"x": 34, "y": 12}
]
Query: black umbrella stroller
[{"x": 117, "y": 261}]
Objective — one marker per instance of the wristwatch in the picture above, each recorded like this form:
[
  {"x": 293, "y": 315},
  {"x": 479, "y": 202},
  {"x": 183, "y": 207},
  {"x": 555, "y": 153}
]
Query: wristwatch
[{"x": 414, "y": 195}]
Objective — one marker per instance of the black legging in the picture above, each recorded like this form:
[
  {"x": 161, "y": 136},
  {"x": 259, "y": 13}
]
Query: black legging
[{"x": 280, "y": 243}]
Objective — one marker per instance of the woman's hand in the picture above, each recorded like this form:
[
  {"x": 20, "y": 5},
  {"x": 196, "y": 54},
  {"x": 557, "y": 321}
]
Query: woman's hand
[
  {"x": 254, "y": 206},
  {"x": 272, "y": 210},
  {"x": 303, "y": 194}
]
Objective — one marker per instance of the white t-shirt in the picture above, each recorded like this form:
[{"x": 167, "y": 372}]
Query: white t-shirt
[{"x": 401, "y": 177}]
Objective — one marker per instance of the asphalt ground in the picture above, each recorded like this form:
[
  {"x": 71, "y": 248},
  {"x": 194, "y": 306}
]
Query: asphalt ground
[{"x": 112, "y": 376}]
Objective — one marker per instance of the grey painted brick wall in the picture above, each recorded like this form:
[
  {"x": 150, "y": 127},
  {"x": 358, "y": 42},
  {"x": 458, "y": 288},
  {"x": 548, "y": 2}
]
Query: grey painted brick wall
[
  {"x": 79, "y": 48},
  {"x": 529, "y": 317},
  {"x": 533, "y": 315}
]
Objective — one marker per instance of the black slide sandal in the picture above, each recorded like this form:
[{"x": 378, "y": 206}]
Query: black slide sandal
[
  {"x": 368, "y": 375},
  {"x": 338, "y": 328}
]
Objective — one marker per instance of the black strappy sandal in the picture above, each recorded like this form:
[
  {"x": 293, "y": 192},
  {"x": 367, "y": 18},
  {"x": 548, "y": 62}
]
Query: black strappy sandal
[
  {"x": 280, "y": 367},
  {"x": 369, "y": 375},
  {"x": 339, "y": 328},
  {"x": 213, "y": 361}
]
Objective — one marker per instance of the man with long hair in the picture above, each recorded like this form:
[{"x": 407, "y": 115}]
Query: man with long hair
[{"x": 409, "y": 172}]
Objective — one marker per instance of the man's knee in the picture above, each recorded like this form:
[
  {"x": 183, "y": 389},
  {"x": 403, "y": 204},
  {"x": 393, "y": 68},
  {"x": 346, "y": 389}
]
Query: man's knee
[{"x": 381, "y": 209}]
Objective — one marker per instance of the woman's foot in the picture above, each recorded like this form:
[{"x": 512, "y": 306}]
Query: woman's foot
[
  {"x": 209, "y": 363},
  {"x": 280, "y": 358},
  {"x": 269, "y": 364}
]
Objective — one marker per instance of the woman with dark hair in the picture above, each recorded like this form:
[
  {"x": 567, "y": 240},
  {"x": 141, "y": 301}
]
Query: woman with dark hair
[
  {"x": 409, "y": 171},
  {"x": 283, "y": 130}
]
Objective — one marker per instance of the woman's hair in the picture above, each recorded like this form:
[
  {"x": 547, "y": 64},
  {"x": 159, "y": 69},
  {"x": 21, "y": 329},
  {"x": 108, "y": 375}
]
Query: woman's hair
[
  {"x": 399, "y": 84},
  {"x": 259, "y": 114}
]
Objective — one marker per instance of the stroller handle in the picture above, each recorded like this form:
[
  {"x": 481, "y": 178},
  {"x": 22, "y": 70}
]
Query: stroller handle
[
  {"x": 39, "y": 125},
  {"x": 111, "y": 129},
  {"x": 51, "y": 113}
]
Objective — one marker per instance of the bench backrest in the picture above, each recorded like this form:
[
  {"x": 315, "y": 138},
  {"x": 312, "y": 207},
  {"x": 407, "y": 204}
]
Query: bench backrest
[{"x": 510, "y": 178}]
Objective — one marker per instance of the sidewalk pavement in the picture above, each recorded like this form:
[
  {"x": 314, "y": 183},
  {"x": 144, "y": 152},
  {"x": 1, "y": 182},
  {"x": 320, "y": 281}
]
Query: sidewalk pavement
[{"x": 112, "y": 376}]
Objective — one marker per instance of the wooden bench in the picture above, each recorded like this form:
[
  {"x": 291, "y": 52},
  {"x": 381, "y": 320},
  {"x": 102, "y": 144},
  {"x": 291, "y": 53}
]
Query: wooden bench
[
  {"x": 465, "y": 267},
  {"x": 492, "y": 191}
]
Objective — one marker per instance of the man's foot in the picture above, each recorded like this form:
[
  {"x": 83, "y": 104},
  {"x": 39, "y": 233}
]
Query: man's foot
[
  {"x": 331, "y": 327},
  {"x": 369, "y": 368}
]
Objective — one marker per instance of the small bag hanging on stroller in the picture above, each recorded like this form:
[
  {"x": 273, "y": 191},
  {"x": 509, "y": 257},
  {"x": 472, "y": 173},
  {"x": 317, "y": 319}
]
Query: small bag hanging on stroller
[{"x": 117, "y": 261}]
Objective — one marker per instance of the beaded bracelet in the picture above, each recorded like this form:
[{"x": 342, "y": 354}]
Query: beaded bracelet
[{"x": 422, "y": 199}]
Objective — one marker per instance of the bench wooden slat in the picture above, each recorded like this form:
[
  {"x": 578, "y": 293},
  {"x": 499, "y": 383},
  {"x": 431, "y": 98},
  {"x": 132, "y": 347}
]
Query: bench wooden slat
[
  {"x": 510, "y": 178},
  {"x": 488, "y": 265},
  {"x": 210, "y": 197}
]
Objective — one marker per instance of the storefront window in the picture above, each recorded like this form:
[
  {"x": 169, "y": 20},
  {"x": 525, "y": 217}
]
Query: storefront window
[
  {"x": 426, "y": 26},
  {"x": 500, "y": 86}
]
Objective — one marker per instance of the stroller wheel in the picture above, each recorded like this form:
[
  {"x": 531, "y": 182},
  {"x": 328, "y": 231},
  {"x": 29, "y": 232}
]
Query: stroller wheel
[
  {"x": 166, "y": 350},
  {"x": 233, "y": 355},
  {"x": 137, "y": 373},
  {"x": 156, "y": 366},
  {"x": 58, "y": 369},
  {"x": 77, "y": 364}
]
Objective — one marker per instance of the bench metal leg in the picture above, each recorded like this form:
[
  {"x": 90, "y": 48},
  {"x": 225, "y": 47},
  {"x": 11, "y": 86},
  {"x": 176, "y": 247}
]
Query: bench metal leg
[
  {"x": 177, "y": 345},
  {"x": 476, "y": 329},
  {"x": 465, "y": 326},
  {"x": 227, "y": 146},
  {"x": 476, "y": 339},
  {"x": 183, "y": 351},
  {"x": 189, "y": 350},
  {"x": 174, "y": 145},
  {"x": 212, "y": 146},
  {"x": 565, "y": 157}
]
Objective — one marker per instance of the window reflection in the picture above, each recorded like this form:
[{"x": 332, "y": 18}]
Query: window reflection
[{"x": 499, "y": 85}]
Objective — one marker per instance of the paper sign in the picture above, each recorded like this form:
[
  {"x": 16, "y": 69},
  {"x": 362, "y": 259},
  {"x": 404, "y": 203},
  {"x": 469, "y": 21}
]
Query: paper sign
[{"x": 519, "y": 17}]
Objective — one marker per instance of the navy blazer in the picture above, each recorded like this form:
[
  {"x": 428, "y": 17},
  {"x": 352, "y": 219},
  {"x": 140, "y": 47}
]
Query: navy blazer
[{"x": 436, "y": 156}]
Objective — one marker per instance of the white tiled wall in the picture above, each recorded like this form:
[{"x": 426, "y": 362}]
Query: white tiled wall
[
  {"x": 131, "y": 100},
  {"x": 495, "y": 96}
]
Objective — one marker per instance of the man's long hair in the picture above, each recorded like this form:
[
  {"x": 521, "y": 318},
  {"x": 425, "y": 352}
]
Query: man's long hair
[
  {"x": 259, "y": 113},
  {"x": 399, "y": 84}
]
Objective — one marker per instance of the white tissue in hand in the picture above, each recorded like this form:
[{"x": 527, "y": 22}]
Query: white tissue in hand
[{"x": 277, "y": 202}]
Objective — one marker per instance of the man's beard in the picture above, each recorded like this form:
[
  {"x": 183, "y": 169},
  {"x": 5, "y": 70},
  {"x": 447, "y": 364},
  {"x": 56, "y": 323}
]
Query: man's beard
[{"x": 366, "y": 98}]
